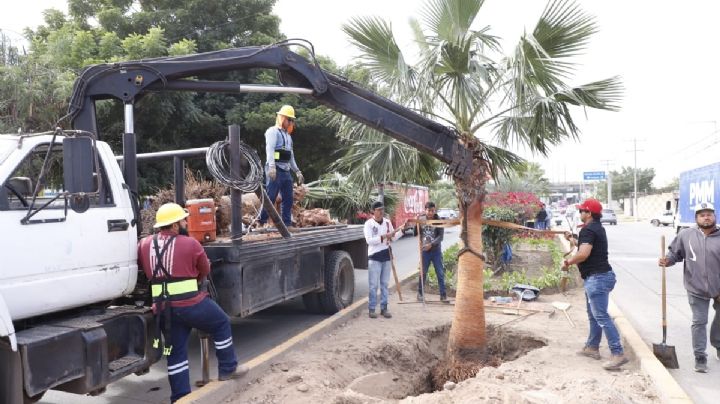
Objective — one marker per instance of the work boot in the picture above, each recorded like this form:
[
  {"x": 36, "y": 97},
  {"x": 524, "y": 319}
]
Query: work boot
[
  {"x": 385, "y": 313},
  {"x": 590, "y": 352},
  {"x": 240, "y": 371},
  {"x": 373, "y": 314},
  {"x": 444, "y": 299},
  {"x": 615, "y": 362},
  {"x": 700, "y": 364}
]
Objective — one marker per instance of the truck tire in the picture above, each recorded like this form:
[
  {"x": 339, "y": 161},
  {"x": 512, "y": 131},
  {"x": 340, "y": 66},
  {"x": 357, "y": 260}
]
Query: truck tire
[
  {"x": 339, "y": 282},
  {"x": 312, "y": 303}
]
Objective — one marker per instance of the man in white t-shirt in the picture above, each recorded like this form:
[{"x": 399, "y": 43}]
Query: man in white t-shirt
[{"x": 379, "y": 232}]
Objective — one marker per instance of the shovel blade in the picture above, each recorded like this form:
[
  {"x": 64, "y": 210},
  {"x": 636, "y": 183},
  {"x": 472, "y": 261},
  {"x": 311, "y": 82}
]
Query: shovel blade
[{"x": 666, "y": 355}]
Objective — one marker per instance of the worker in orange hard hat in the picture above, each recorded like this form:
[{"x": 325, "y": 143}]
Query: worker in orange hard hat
[{"x": 280, "y": 160}]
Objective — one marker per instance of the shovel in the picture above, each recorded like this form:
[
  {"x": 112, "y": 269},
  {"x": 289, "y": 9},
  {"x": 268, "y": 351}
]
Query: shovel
[
  {"x": 665, "y": 353},
  {"x": 394, "y": 271}
]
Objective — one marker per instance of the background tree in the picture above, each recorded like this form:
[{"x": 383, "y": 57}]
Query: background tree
[
  {"x": 116, "y": 30},
  {"x": 527, "y": 177},
  {"x": 623, "y": 183},
  {"x": 443, "y": 194},
  {"x": 521, "y": 99}
]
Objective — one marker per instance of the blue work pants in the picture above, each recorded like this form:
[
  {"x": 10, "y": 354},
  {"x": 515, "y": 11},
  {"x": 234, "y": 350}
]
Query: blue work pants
[
  {"x": 378, "y": 273},
  {"x": 433, "y": 256},
  {"x": 205, "y": 316},
  {"x": 282, "y": 184}
]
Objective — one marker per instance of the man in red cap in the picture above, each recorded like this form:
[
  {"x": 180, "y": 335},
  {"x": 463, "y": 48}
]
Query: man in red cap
[{"x": 599, "y": 280}]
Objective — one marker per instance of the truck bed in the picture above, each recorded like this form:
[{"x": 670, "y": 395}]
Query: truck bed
[{"x": 260, "y": 272}]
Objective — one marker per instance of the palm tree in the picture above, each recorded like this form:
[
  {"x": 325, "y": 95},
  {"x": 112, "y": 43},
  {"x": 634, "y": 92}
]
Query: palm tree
[
  {"x": 495, "y": 102},
  {"x": 529, "y": 177}
]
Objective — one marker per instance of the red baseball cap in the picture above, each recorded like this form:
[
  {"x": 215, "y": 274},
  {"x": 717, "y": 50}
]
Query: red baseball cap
[{"x": 592, "y": 205}]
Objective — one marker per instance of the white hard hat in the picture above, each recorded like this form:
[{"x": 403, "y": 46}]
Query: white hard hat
[{"x": 704, "y": 206}]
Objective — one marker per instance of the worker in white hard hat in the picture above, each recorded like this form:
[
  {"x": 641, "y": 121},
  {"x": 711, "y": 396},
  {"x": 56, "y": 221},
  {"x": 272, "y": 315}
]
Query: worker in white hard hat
[
  {"x": 699, "y": 248},
  {"x": 175, "y": 263},
  {"x": 280, "y": 160}
]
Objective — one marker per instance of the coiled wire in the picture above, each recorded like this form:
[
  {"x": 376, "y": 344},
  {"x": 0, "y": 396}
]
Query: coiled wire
[{"x": 218, "y": 163}]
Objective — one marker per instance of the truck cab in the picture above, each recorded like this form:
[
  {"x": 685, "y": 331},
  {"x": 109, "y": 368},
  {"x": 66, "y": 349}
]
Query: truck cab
[{"x": 62, "y": 258}]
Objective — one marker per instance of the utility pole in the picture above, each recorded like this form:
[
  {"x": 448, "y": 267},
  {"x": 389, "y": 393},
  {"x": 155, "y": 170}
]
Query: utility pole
[
  {"x": 609, "y": 182},
  {"x": 635, "y": 202}
]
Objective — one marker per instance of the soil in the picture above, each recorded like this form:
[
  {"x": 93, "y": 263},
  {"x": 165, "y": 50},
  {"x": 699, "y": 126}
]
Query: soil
[{"x": 390, "y": 360}]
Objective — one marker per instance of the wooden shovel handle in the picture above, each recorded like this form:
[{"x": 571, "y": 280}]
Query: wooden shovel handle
[{"x": 664, "y": 292}]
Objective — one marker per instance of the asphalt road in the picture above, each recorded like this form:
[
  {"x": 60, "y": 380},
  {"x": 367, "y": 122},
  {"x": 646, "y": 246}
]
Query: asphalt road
[
  {"x": 252, "y": 336},
  {"x": 634, "y": 250}
]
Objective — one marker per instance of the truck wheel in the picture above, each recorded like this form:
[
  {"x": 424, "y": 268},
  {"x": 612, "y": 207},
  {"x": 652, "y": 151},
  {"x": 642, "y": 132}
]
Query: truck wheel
[
  {"x": 339, "y": 282},
  {"x": 655, "y": 222},
  {"x": 312, "y": 303}
]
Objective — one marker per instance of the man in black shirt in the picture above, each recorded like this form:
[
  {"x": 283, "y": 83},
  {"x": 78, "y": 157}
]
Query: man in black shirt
[
  {"x": 599, "y": 280},
  {"x": 432, "y": 237}
]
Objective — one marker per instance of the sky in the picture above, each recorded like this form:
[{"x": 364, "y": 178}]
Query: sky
[{"x": 665, "y": 52}]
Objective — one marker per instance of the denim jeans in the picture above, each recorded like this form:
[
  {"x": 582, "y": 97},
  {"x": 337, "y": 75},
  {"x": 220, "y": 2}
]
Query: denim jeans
[
  {"x": 378, "y": 272},
  {"x": 699, "y": 307},
  {"x": 206, "y": 316},
  {"x": 597, "y": 292},
  {"x": 283, "y": 184},
  {"x": 540, "y": 224},
  {"x": 433, "y": 256}
]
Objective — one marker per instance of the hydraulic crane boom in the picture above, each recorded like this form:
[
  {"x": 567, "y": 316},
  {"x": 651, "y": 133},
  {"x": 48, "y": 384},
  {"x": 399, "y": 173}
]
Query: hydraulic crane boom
[{"x": 128, "y": 81}]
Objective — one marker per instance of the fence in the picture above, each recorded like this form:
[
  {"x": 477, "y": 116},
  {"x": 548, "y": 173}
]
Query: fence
[{"x": 649, "y": 206}]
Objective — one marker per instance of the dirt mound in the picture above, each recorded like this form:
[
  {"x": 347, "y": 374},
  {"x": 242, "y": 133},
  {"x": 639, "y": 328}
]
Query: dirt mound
[{"x": 390, "y": 361}]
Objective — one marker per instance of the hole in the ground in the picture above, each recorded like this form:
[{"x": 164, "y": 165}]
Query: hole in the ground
[{"x": 417, "y": 365}]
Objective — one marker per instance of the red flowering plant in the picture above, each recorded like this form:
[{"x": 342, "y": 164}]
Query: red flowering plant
[{"x": 524, "y": 204}]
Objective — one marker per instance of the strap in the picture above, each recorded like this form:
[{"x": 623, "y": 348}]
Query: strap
[{"x": 159, "y": 255}]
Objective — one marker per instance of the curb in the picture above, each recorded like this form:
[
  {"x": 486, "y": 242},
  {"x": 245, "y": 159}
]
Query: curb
[
  {"x": 216, "y": 392},
  {"x": 669, "y": 389},
  {"x": 666, "y": 386}
]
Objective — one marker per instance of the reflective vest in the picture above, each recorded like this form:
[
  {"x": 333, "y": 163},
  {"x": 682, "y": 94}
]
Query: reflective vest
[{"x": 166, "y": 288}]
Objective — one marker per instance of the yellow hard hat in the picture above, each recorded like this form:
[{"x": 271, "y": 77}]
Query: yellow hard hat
[
  {"x": 168, "y": 214},
  {"x": 288, "y": 111}
]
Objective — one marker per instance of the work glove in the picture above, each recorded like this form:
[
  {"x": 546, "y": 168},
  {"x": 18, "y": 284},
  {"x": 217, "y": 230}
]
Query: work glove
[
  {"x": 300, "y": 177},
  {"x": 272, "y": 173}
]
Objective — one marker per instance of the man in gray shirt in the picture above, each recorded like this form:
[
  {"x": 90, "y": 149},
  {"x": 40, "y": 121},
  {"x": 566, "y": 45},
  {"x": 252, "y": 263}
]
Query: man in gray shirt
[
  {"x": 699, "y": 247},
  {"x": 279, "y": 160}
]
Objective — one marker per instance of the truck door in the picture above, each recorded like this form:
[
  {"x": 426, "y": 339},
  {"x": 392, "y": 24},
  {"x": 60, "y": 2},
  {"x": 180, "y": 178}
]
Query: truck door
[{"x": 61, "y": 260}]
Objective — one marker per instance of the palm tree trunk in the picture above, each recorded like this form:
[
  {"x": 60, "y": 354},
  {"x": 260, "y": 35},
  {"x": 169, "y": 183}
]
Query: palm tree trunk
[{"x": 467, "y": 339}]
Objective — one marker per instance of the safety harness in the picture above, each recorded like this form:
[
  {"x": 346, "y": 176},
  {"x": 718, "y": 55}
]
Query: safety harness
[
  {"x": 282, "y": 155},
  {"x": 166, "y": 288}
]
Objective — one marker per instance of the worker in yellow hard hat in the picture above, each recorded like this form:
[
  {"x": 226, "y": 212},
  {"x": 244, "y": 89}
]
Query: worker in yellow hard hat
[
  {"x": 175, "y": 263},
  {"x": 280, "y": 160}
]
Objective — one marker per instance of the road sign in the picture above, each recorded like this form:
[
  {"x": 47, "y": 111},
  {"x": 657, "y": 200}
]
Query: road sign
[{"x": 593, "y": 175}]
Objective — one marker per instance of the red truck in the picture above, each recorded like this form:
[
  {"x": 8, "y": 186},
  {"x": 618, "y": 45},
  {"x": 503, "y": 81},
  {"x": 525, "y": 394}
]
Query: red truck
[{"x": 410, "y": 204}]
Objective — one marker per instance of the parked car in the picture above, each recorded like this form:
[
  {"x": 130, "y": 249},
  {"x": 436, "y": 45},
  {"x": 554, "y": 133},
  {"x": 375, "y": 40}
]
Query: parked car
[
  {"x": 666, "y": 218},
  {"x": 608, "y": 216},
  {"x": 446, "y": 213}
]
